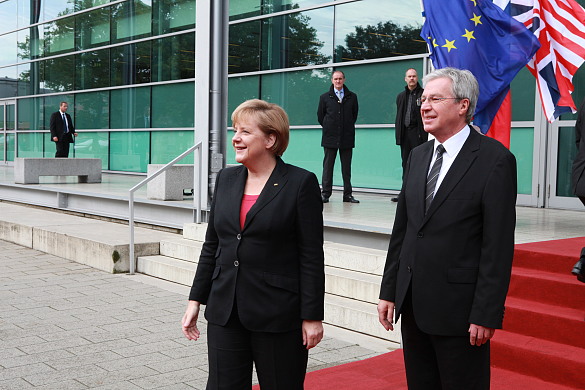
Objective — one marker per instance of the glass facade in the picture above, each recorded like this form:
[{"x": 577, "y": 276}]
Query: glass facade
[{"x": 127, "y": 70}]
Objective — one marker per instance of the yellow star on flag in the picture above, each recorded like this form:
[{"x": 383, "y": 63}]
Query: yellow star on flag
[
  {"x": 469, "y": 35},
  {"x": 476, "y": 19},
  {"x": 435, "y": 43},
  {"x": 474, "y": 2},
  {"x": 449, "y": 45}
]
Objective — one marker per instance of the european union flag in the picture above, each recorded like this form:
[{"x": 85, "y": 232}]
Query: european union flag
[{"x": 478, "y": 36}]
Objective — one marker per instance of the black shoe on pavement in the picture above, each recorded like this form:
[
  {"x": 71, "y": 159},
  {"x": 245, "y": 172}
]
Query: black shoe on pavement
[
  {"x": 350, "y": 199},
  {"x": 325, "y": 199},
  {"x": 394, "y": 199}
]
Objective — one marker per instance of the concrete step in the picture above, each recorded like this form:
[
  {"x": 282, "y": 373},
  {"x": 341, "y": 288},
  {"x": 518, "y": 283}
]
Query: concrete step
[
  {"x": 99, "y": 244},
  {"x": 351, "y": 284},
  {"x": 181, "y": 248},
  {"x": 167, "y": 268},
  {"x": 354, "y": 258},
  {"x": 195, "y": 231},
  {"x": 359, "y": 317}
]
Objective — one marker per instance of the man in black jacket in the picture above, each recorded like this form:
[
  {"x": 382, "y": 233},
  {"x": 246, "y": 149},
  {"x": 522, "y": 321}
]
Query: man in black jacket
[
  {"x": 409, "y": 128},
  {"x": 578, "y": 175},
  {"x": 62, "y": 130},
  {"x": 337, "y": 114}
]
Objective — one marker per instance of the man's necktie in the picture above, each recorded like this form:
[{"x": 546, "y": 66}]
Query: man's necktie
[
  {"x": 66, "y": 124},
  {"x": 339, "y": 97},
  {"x": 433, "y": 176},
  {"x": 408, "y": 113}
]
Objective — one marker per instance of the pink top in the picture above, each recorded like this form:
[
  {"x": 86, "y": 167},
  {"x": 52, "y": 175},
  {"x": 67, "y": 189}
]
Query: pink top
[{"x": 247, "y": 203}]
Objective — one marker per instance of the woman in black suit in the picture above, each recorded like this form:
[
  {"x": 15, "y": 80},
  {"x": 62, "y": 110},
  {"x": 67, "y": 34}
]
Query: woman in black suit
[{"x": 261, "y": 270}]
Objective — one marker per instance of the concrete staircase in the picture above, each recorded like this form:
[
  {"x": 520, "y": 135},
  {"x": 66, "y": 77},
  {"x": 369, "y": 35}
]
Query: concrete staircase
[{"x": 353, "y": 276}]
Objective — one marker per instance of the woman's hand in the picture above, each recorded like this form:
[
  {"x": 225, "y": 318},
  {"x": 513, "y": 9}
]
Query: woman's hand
[
  {"x": 189, "y": 321},
  {"x": 312, "y": 333}
]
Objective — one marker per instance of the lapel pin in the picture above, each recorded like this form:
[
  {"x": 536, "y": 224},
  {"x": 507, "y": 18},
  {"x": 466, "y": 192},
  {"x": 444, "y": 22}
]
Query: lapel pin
[{"x": 275, "y": 184}]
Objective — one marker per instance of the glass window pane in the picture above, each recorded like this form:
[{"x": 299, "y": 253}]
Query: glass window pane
[
  {"x": 1, "y": 146},
  {"x": 523, "y": 88},
  {"x": 92, "y": 29},
  {"x": 377, "y": 86},
  {"x": 173, "y": 58},
  {"x": 8, "y": 49},
  {"x": 8, "y": 82},
  {"x": 522, "y": 145},
  {"x": 31, "y": 145},
  {"x": 566, "y": 155},
  {"x": 7, "y": 20},
  {"x": 300, "y": 39},
  {"x": 51, "y": 104},
  {"x": 91, "y": 110},
  {"x": 244, "y": 47},
  {"x": 57, "y": 74},
  {"x": 164, "y": 151},
  {"x": 92, "y": 145},
  {"x": 131, "y": 19},
  {"x": 173, "y": 15},
  {"x": 377, "y": 28},
  {"x": 173, "y": 105},
  {"x": 55, "y": 8},
  {"x": 92, "y": 69},
  {"x": 130, "y": 108},
  {"x": 85, "y": 4},
  {"x": 129, "y": 151},
  {"x": 30, "y": 114},
  {"x": 244, "y": 9},
  {"x": 10, "y": 116},
  {"x": 29, "y": 81},
  {"x": 298, "y": 93},
  {"x": 10, "y": 147},
  {"x": 59, "y": 36},
  {"x": 241, "y": 89},
  {"x": 130, "y": 64}
]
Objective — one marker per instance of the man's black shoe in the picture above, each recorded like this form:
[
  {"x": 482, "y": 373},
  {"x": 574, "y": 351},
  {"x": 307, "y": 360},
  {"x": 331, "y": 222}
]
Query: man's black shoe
[
  {"x": 350, "y": 199},
  {"x": 325, "y": 199},
  {"x": 394, "y": 199},
  {"x": 578, "y": 271}
]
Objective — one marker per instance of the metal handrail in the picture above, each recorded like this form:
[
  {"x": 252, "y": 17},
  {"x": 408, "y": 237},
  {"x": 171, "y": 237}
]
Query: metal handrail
[{"x": 196, "y": 199}]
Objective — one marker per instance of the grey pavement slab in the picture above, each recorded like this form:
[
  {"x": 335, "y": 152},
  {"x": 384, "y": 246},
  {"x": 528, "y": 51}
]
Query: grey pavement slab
[{"x": 65, "y": 325}]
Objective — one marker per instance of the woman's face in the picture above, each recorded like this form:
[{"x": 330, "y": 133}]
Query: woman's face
[{"x": 250, "y": 143}]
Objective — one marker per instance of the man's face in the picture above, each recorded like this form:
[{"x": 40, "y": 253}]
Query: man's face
[
  {"x": 337, "y": 79},
  {"x": 64, "y": 107},
  {"x": 411, "y": 78},
  {"x": 442, "y": 118}
]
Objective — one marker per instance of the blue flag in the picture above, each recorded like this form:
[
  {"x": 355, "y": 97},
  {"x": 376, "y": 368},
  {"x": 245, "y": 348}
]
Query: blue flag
[{"x": 477, "y": 35}]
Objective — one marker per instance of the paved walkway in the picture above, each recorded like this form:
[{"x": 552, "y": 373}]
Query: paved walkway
[{"x": 64, "y": 325}]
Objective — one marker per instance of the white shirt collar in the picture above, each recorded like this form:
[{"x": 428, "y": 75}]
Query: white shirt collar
[{"x": 454, "y": 144}]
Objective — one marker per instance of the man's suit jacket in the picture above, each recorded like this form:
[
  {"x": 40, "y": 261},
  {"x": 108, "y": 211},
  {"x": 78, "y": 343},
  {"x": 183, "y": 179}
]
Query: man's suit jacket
[
  {"x": 338, "y": 119},
  {"x": 58, "y": 127},
  {"x": 578, "y": 171},
  {"x": 401, "y": 103},
  {"x": 457, "y": 257},
  {"x": 273, "y": 267}
]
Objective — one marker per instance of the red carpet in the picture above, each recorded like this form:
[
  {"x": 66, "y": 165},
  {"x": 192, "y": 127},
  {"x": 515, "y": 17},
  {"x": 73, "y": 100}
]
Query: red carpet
[{"x": 541, "y": 348}]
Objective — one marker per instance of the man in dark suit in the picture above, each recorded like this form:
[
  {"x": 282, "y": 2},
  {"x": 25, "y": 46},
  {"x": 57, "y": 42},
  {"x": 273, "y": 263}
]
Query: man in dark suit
[
  {"x": 62, "y": 130},
  {"x": 337, "y": 114},
  {"x": 450, "y": 255},
  {"x": 409, "y": 128}
]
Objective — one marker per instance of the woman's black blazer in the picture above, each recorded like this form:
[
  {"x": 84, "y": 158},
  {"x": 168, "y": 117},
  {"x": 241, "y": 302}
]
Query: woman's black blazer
[{"x": 273, "y": 268}]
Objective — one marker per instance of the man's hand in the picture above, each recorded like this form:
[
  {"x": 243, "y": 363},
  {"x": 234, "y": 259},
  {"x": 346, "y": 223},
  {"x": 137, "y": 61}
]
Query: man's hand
[
  {"x": 55, "y": 139},
  {"x": 386, "y": 314},
  {"x": 479, "y": 335},
  {"x": 312, "y": 333}
]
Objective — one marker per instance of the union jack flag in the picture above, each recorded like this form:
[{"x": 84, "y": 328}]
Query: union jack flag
[{"x": 559, "y": 25}]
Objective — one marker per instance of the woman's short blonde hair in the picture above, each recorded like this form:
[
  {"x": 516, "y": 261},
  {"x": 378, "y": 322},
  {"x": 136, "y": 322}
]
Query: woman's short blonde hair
[{"x": 269, "y": 117}]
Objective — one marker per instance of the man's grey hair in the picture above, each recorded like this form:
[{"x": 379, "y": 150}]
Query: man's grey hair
[{"x": 463, "y": 86}]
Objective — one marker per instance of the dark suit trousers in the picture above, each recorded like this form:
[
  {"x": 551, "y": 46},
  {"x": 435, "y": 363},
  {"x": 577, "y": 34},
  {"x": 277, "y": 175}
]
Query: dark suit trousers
[
  {"x": 345, "y": 156},
  {"x": 442, "y": 362},
  {"x": 62, "y": 148},
  {"x": 280, "y": 358},
  {"x": 408, "y": 142}
]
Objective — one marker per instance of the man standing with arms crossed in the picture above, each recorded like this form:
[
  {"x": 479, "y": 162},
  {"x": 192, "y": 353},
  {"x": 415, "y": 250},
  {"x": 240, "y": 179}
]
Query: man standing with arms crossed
[
  {"x": 409, "y": 128},
  {"x": 337, "y": 114},
  {"x": 62, "y": 130},
  {"x": 450, "y": 255}
]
